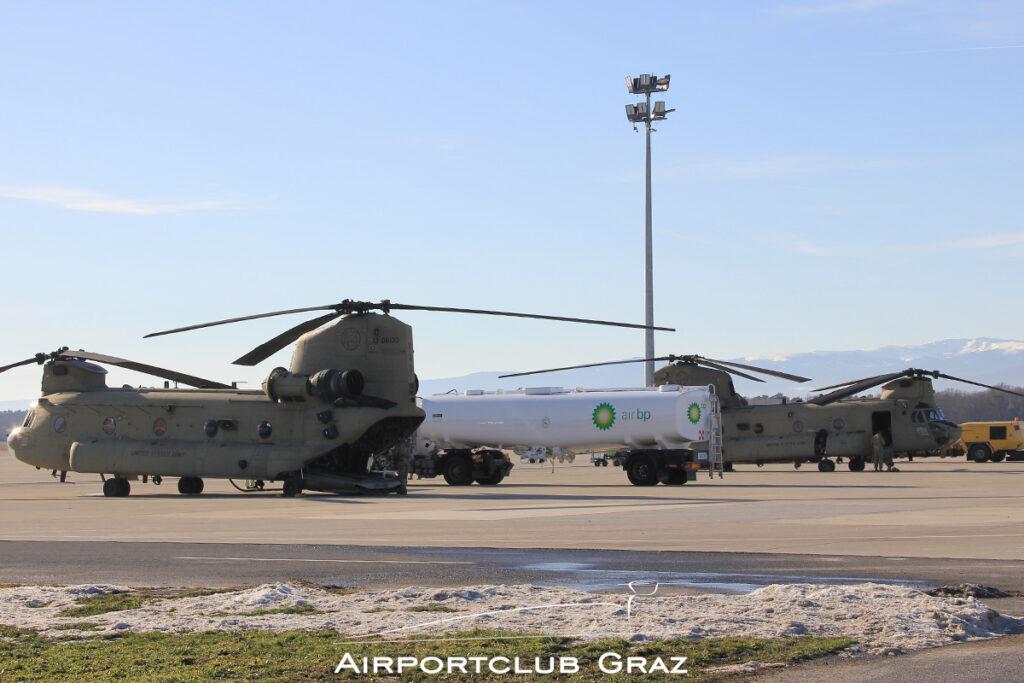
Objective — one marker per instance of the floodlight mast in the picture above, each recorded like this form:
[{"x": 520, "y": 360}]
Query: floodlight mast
[{"x": 641, "y": 112}]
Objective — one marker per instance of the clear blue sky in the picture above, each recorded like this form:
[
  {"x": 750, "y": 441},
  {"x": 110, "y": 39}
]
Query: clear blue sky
[{"x": 838, "y": 175}]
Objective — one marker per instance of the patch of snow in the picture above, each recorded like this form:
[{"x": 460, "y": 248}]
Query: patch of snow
[
  {"x": 979, "y": 345},
  {"x": 884, "y": 619}
]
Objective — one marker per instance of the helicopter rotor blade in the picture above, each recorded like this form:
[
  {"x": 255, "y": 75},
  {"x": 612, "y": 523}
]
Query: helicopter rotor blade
[
  {"x": 978, "y": 384},
  {"x": 242, "y": 319},
  {"x": 27, "y": 361},
  {"x": 754, "y": 368},
  {"x": 269, "y": 348},
  {"x": 172, "y": 375},
  {"x": 479, "y": 311},
  {"x": 843, "y": 384},
  {"x": 855, "y": 387},
  {"x": 584, "y": 365},
  {"x": 716, "y": 366}
]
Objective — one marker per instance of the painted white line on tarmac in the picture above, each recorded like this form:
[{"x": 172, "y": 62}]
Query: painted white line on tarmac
[{"x": 304, "y": 559}]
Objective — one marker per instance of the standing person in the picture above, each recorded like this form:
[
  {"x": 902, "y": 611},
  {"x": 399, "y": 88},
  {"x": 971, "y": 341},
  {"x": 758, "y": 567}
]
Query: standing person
[
  {"x": 877, "y": 450},
  {"x": 888, "y": 453}
]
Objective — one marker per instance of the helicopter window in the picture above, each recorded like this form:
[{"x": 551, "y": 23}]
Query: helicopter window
[
  {"x": 758, "y": 428},
  {"x": 60, "y": 424},
  {"x": 109, "y": 425},
  {"x": 159, "y": 426},
  {"x": 838, "y": 423},
  {"x": 742, "y": 426},
  {"x": 29, "y": 419},
  {"x": 798, "y": 426},
  {"x": 264, "y": 429}
]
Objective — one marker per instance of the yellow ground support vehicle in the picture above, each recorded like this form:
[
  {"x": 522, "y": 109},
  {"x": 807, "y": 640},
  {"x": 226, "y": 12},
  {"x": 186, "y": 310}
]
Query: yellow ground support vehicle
[{"x": 994, "y": 441}]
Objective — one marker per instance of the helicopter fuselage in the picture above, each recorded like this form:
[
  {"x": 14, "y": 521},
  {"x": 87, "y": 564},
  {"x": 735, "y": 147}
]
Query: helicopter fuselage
[
  {"x": 349, "y": 394},
  {"x": 797, "y": 431},
  {"x": 202, "y": 433}
]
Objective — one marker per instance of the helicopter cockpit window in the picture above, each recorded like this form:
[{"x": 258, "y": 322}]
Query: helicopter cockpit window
[
  {"x": 936, "y": 415},
  {"x": 29, "y": 419}
]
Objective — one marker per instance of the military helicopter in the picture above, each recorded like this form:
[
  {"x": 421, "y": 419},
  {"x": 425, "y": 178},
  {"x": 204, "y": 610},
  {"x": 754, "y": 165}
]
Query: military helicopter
[
  {"x": 829, "y": 426},
  {"x": 348, "y": 395}
]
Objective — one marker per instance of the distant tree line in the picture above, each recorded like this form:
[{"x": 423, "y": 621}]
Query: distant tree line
[{"x": 980, "y": 406}]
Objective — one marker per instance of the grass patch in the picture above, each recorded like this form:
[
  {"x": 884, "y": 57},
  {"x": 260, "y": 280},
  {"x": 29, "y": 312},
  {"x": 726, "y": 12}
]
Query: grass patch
[
  {"x": 292, "y": 609},
  {"x": 431, "y": 608},
  {"x": 15, "y": 632},
  {"x": 91, "y": 605},
  {"x": 198, "y": 592},
  {"x": 303, "y": 655},
  {"x": 80, "y": 626},
  {"x": 40, "y": 605}
]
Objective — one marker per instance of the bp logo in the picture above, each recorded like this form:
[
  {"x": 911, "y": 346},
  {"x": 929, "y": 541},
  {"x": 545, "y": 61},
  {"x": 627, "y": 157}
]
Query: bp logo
[
  {"x": 604, "y": 416},
  {"x": 693, "y": 413}
]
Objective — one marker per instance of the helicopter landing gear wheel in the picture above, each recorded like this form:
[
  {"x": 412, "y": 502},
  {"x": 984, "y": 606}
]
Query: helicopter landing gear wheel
[
  {"x": 676, "y": 478},
  {"x": 116, "y": 487},
  {"x": 190, "y": 486},
  {"x": 458, "y": 470},
  {"x": 979, "y": 452},
  {"x": 491, "y": 479},
  {"x": 641, "y": 471},
  {"x": 796, "y": 464},
  {"x": 826, "y": 465},
  {"x": 856, "y": 464},
  {"x": 291, "y": 487}
]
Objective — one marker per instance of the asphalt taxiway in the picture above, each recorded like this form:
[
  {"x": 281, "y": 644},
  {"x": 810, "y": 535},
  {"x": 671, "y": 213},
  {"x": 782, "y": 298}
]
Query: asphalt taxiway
[{"x": 931, "y": 509}]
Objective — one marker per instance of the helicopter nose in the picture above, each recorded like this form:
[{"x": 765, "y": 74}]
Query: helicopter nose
[
  {"x": 944, "y": 431},
  {"x": 13, "y": 441}
]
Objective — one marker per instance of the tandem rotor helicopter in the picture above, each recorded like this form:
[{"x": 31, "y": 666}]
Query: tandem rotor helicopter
[
  {"x": 828, "y": 426},
  {"x": 349, "y": 394}
]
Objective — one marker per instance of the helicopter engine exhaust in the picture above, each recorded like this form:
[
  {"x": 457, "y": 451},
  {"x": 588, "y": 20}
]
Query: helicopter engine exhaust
[{"x": 327, "y": 385}]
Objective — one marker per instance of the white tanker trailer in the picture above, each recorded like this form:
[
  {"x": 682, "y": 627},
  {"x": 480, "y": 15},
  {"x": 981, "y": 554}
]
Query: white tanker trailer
[{"x": 663, "y": 433}]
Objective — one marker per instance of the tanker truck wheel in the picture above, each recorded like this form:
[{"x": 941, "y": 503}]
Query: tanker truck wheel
[
  {"x": 491, "y": 479},
  {"x": 998, "y": 456},
  {"x": 458, "y": 470},
  {"x": 642, "y": 471}
]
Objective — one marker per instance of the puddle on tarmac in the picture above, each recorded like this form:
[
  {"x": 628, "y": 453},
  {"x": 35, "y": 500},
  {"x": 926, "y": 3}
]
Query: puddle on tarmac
[{"x": 581, "y": 576}]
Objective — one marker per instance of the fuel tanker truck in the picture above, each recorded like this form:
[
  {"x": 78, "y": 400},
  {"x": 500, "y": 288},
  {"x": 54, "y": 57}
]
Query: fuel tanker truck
[{"x": 658, "y": 434}]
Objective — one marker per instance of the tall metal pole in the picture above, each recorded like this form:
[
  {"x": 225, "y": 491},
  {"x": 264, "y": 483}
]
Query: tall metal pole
[
  {"x": 648, "y": 268},
  {"x": 645, "y": 85}
]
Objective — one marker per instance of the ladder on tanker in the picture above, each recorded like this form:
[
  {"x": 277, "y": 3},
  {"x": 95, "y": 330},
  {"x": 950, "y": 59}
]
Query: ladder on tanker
[{"x": 715, "y": 462}]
